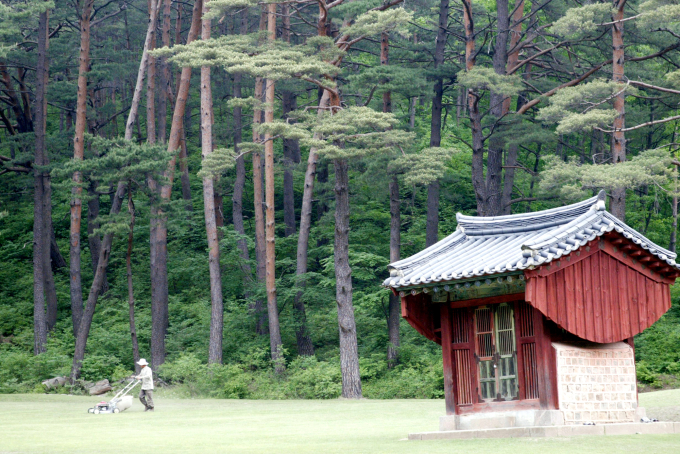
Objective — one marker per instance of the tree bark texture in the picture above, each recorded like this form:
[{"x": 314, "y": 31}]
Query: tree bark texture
[
  {"x": 394, "y": 310},
  {"x": 217, "y": 307},
  {"x": 511, "y": 153},
  {"x": 432, "y": 224},
  {"x": 617, "y": 205},
  {"x": 291, "y": 156},
  {"x": 131, "y": 293},
  {"x": 159, "y": 228},
  {"x": 291, "y": 147},
  {"x": 304, "y": 341},
  {"x": 491, "y": 202},
  {"x": 78, "y": 154},
  {"x": 349, "y": 353},
  {"x": 270, "y": 223},
  {"x": 240, "y": 180},
  {"x": 164, "y": 80},
  {"x": 151, "y": 83},
  {"x": 41, "y": 196},
  {"x": 93, "y": 239},
  {"x": 95, "y": 289}
]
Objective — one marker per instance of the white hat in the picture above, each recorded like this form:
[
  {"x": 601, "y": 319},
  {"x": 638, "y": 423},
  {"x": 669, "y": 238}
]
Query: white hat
[{"x": 142, "y": 362}]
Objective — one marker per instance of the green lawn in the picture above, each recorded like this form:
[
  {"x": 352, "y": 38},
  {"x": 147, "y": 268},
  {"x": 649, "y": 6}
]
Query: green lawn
[{"x": 61, "y": 424}]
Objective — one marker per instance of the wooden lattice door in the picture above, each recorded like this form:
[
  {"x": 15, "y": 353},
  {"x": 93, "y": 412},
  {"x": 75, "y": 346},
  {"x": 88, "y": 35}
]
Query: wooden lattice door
[{"x": 496, "y": 352}]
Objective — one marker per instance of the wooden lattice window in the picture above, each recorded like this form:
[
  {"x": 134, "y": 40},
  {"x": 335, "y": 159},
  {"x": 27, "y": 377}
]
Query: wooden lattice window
[{"x": 496, "y": 352}]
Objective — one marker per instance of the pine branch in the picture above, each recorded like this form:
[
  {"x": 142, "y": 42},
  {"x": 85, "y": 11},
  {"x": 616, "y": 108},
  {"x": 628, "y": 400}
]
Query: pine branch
[{"x": 653, "y": 87}]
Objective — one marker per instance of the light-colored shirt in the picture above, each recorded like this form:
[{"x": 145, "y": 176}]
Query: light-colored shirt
[{"x": 146, "y": 375}]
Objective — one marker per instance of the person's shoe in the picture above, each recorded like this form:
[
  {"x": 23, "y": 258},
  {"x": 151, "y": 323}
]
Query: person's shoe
[
  {"x": 150, "y": 409},
  {"x": 147, "y": 408}
]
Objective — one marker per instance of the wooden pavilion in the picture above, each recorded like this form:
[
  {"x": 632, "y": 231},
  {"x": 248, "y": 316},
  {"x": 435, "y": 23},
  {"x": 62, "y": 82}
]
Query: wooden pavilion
[{"x": 536, "y": 314}]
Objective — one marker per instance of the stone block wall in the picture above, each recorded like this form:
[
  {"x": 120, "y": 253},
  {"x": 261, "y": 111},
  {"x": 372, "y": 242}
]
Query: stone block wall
[{"x": 596, "y": 383}]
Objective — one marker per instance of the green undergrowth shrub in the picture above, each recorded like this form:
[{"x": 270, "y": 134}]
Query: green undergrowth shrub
[
  {"x": 304, "y": 378},
  {"x": 22, "y": 372}
]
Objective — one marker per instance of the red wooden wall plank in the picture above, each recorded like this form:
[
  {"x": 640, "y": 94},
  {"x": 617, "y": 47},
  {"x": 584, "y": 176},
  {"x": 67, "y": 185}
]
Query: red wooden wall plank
[{"x": 601, "y": 297}]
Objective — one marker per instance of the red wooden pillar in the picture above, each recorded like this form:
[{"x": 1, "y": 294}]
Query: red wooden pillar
[
  {"x": 447, "y": 353},
  {"x": 547, "y": 364}
]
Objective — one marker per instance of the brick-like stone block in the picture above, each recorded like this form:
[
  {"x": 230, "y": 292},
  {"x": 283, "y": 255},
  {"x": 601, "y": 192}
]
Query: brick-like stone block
[{"x": 599, "y": 380}]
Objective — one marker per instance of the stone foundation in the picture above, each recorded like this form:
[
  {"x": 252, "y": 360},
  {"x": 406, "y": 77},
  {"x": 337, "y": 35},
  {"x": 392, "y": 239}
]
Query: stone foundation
[
  {"x": 501, "y": 419},
  {"x": 597, "y": 383}
]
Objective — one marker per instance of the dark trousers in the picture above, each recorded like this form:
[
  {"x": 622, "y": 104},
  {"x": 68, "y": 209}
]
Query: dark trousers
[{"x": 146, "y": 397}]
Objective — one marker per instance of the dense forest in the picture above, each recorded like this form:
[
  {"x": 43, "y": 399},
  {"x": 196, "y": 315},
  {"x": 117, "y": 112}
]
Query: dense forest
[{"x": 220, "y": 186}]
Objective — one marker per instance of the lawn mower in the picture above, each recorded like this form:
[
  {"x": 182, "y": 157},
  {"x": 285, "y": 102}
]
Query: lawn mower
[{"x": 120, "y": 401}]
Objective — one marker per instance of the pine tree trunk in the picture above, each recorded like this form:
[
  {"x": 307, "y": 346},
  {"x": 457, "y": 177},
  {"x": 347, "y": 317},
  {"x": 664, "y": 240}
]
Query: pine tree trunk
[
  {"x": 95, "y": 289},
  {"x": 41, "y": 236},
  {"x": 349, "y": 354},
  {"x": 151, "y": 85},
  {"x": 164, "y": 80},
  {"x": 432, "y": 224},
  {"x": 94, "y": 241},
  {"x": 217, "y": 311},
  {"x": 131, "y": 293},
  {"x": 617, "y": 205},
  {"x": 394, "y": 312},
  {"x": 492, "y": 205},
  {"x": 291, "y": 147},
  {"x": 511, "y": 155},
  {"x": 159, "y": 229},
  {"x": 478, "y": 183},
  {"x": 270, "y": 224},
  {"x": 239, "y": 182},
  {"x": 78, "y": 154},
  {"x": 258, "y": 201},
  {"x": 304, "y": 341}
]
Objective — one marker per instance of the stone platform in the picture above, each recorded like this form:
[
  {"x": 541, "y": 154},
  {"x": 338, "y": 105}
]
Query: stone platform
[{"x": 653, "y": 428}]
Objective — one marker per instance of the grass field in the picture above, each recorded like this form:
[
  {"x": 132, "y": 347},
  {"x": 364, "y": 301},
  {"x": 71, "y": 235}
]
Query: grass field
[{"x": 60, "y": 424}]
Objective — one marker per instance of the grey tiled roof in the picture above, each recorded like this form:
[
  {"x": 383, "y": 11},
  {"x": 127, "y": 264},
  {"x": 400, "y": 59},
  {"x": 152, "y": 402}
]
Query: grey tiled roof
[{"x": 503, "y": 244}]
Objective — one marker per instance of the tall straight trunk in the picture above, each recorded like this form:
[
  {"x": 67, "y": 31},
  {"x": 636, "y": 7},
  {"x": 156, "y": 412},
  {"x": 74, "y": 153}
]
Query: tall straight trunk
[
  {"x": 478, "y": 183},
  {"x": 93, "y": 239},
  {"x": 394, "y": 311},
  {"x": 304, "y": 341},
  {"x": 159, "y": 228},
  {"x": 674, "y": 200},
  {"x": 395, "y": 229},
  {"x": 151, "y": 86},
  {"x": 349, "y": 352},
  {"x": 239, "y": 182},
  {"x": 41, "y": 236},
  {"x": 78, "y": 153},
  {"x": 184, "y": 173},
  {"x": 511, "y": 154},
  {"x": 270, "y": 222},
  {"x": 217, "y": 311},
  {"x": 291, "y": 147},
  {"x": 131, "y": 293},
  {"x": 432, "y": 224},
  {"x": 116, "y": 203},
  {"x": 258, "y": 201},
  {"x": 291, "y": 156},
  {"x": 384, "y": 61},
  {"x": 491, "y": 203},
  {"x": 95, "y": 289},
  {"x": 164, "y": 80},
  {"x": 617, "y": 206}
]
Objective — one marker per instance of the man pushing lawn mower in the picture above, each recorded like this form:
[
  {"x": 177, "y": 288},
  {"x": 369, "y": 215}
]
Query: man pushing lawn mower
[{"x": 146, "y": 376}]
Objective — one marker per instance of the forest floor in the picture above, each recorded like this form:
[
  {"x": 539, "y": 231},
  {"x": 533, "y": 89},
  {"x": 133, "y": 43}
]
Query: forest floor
[{"x": 36, "y": 423}]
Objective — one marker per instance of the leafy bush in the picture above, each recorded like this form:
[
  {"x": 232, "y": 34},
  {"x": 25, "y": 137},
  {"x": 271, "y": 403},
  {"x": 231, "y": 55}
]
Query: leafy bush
[
  {"x": 310, "y": 379},
  {"x": 646, "y": 376},
  {"x": 21, "y": 371},
  {"x": 99, "y": 367}
]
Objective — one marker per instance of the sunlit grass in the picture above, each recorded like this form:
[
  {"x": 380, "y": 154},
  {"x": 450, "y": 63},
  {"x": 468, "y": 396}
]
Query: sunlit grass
[{"x": 61, "y": 424}]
